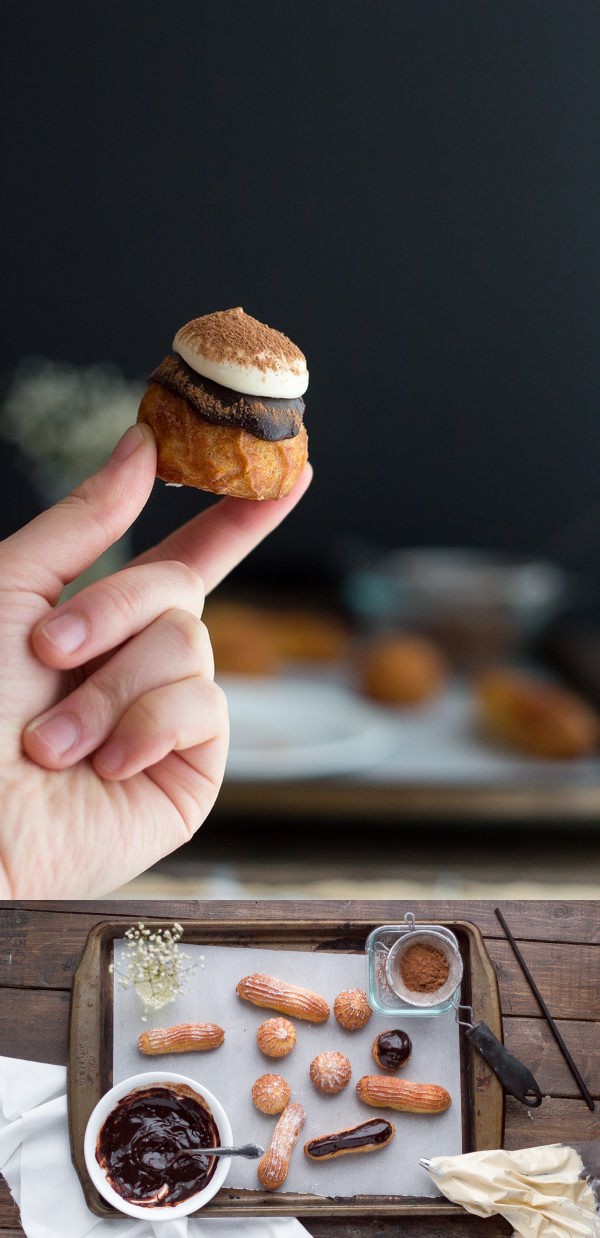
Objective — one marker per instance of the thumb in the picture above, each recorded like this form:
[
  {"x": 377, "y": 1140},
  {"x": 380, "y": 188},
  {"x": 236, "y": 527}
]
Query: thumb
[{"x": 57, "y": 546}]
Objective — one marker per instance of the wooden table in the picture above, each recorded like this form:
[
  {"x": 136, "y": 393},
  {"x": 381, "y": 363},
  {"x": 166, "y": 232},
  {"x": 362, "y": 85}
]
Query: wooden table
[{"x": 40, "y": 944}]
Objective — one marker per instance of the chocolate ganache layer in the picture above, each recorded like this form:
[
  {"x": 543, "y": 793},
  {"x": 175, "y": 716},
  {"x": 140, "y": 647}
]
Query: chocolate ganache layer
[
  {"x": 263, "y": 416},
  {"x": 365, "y": 1137},
  {"x": 145, "y": 1132},
  {"x": 393, "y": 1049}
]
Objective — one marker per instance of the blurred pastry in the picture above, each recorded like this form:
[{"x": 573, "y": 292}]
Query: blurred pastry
[
  {"x": 352, "y": 1009},
  {"x": 533, "y": 716},
  {"x": 226, "y": 408},
  {"x": 276, "y": 1037},
  {"x": 330, "y": 1072},
  {"x": 402, "y": 670},
  {"x": 270, "y": 1093},
  {"x": 241, "y": 639},
  {"x": 308, "y": 636}
]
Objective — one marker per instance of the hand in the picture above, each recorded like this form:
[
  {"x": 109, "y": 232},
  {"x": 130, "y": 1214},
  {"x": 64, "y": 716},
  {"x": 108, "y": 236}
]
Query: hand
[{"x": 113, "y": 734}]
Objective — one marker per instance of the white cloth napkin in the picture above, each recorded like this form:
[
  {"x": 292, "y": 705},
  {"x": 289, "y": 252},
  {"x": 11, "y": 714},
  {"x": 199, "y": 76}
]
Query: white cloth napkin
[{"x": 35, "y": 1159}]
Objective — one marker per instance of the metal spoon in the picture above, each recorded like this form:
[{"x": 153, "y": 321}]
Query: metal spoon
[{"x": 250, "y": 1150}]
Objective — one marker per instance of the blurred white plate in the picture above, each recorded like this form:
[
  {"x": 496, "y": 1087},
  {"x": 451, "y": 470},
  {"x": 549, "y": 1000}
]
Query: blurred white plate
[{"x": 299, "y": 728}]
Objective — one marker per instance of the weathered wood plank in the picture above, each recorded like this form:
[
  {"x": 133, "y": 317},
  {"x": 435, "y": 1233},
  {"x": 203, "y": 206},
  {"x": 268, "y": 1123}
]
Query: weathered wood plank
[
  {"x": 9, "y": 1213},
  {"x": 34, "y": 1025},
  {"x": 556, "y": 1121},
  {"x": 531, "y": 1040},
  {"x": 41, "y": 949},
  {"x": 574, "y": 921},
  {"x": 409, "y": 1227},
  {"x": 43, "y": 953},
  {"x": 567, "y": 976}
]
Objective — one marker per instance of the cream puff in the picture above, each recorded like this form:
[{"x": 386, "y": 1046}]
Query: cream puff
[
  {"x": 330, "y": 1072},
  {"x": 271, "y": 1093},
  {"x": 226, "y": 408}
]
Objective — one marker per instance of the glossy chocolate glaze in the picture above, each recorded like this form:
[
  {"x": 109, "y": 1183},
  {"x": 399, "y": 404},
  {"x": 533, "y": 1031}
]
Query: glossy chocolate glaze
[
  {"x": 393, "y": 1049},
  {"x": 374, "y": 1132},
  {"x": 144, "y": 1132},
  {"x": 262, "y": 416}
]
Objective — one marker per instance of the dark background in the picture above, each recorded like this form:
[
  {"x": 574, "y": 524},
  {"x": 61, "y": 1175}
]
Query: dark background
[{"x": 411, "y": 190}]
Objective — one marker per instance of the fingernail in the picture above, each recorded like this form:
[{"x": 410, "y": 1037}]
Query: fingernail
[
  {"x": 112, "y": 756},
  {"x": 67, "y": 631},
  {"x": 131, "y": 440},
  {"x": 60, "y": 733}
]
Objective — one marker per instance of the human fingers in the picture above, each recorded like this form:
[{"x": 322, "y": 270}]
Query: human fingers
[
  {"x": 218, "y": 539},
  {"x": 174, "y": 647},
  {"x": 57, "y": 546},
  {"x": 178, "y": 716},
  {"x": 111, "y": 611}
]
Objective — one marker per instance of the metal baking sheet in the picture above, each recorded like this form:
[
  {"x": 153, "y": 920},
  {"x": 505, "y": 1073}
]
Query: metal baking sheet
[{"x": 230, "y": 1071}]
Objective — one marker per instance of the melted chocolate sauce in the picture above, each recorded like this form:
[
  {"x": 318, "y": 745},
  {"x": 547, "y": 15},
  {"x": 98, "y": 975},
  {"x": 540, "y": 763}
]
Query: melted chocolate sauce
[
  {"x": 377, "y": 1131},
  {"x": 144, "y": 1132},
  {"x": 393, "y": 1049},
  {"x": 263, "y": 416}
]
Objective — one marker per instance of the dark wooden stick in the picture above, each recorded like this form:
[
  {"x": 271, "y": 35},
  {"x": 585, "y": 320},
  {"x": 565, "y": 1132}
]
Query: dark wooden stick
[{"x": 588, "y": 1098}]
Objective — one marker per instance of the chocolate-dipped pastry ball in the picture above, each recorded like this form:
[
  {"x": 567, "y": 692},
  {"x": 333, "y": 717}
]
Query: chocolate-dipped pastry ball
[{"x": 226, "y": 408}]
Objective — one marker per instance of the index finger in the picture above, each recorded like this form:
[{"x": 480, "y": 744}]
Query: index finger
[{"x": 214, "y": 542}]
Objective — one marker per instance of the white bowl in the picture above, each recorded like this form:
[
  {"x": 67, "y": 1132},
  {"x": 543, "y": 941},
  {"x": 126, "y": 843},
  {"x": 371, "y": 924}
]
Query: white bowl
[{"x": 98, "y": 1176}]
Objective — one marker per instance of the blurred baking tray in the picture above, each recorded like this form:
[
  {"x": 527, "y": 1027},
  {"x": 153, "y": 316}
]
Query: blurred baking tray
[
  {"x": 90, "y": 1060},
  {"x": 306, "y": 746}
]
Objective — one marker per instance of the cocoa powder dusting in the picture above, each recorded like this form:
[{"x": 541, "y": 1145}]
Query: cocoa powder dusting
[
  {"x": 424, "y": 969},
  {"x": 231, "y": 335}
]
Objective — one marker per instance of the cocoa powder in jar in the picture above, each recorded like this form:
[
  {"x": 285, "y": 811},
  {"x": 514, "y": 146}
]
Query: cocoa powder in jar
[{"x": 424, "y": 968}]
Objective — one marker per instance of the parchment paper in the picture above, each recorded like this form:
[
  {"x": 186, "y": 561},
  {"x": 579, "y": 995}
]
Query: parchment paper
[{"x": 230, "y": 1070}]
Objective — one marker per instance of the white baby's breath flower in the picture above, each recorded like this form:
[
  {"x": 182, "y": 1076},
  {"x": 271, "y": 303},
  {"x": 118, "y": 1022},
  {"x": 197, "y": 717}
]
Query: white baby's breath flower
[
  {"x": 66, "y": 418},
  {"x": 154, "y": 964}
]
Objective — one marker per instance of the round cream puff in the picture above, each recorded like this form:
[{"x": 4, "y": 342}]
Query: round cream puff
[{"x": 226, "y": 408}]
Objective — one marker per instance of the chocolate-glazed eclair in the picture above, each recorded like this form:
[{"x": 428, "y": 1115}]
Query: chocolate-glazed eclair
[
  {"x": 367, "y": 1137},
  {"x": 226, "y": 408},
  {"x": 392, "y": 1049}
]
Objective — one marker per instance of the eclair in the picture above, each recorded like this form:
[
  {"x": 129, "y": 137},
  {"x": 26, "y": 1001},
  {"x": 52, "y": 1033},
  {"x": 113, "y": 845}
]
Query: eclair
[
  {"x": 290, "y": 999},
  {"x": 226, "y": 408},
  {"x": 366, "y": 1137},
  {"x": 385, "y": 1093}
]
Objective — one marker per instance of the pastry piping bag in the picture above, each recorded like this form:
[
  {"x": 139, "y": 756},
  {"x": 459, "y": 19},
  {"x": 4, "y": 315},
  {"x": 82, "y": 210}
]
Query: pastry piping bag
[{"x": 545, "y": 1192}]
